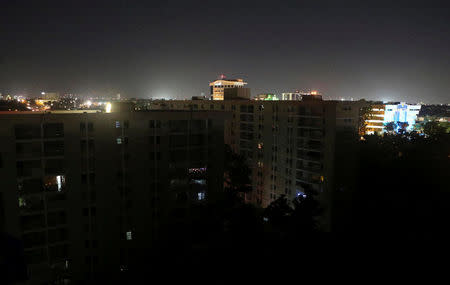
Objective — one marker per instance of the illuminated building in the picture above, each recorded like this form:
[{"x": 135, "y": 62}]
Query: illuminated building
[
  {"x": 267, "y": 97},
  {"x": 262, "y": 96},
  {"x": 401, "y": 113},
  {"x": 218, "y": 86},
  {"x": 375, "y": 119},
  {"x": 86, "y": 191},
  {"x": 299, "y": 96}
]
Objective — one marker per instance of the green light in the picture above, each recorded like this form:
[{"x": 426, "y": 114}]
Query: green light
[{"x": 271, "y": 97}]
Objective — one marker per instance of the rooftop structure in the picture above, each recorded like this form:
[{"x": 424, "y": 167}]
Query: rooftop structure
[{"x": 218, "y": 86}]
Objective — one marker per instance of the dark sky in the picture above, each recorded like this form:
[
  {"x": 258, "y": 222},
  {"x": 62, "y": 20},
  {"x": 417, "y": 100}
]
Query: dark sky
[{"x": 174, "y": 48}]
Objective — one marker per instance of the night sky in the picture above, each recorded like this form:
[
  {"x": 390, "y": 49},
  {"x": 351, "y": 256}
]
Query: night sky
[{"x": 174, "y": 48}]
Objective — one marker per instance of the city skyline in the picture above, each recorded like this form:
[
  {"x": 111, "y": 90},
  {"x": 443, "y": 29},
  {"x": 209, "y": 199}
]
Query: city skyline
[{"x": 173, "y": 49}]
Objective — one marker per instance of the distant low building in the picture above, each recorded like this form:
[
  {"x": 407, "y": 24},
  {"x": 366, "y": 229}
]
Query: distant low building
[
  {"x": 401, "y": 113},
  {"x": 439, "y": 113},
  {"x": 236, "y": 93},
  {"x": 50, "y": 96},
  {"x": 268, "y": 97},
  {"x": 300, "y": 96}
]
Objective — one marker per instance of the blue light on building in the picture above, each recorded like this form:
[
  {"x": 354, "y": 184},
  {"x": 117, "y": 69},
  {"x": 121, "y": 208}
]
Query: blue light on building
[{"x": 402, "y": 113}]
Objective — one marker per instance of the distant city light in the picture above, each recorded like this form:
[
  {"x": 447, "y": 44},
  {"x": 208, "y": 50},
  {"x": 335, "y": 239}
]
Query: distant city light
[
  {"x": 108, "y": 107},
  {"x": 88, "y": 103}
]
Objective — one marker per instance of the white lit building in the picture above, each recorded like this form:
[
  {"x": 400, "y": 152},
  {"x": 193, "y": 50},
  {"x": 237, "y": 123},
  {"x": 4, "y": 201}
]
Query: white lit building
[
  {"x": 402, "y": 113},
  {"x": 218, "y": 86}
]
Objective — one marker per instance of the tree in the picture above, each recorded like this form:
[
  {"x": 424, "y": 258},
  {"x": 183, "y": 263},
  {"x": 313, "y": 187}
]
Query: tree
[
  {"x": 408, "y": 205},
  {"x": 299, "y": 221},
  {"x": 278, "y": 211},
  {"x": 306, "y": 213},
  {"x": 237, "y": 172},
  {"x": 402, "y": 126},
  {"x": 390, "y": 127},
  {"x": 365, "y": 115},
  {"x": 433, "y": 128}
]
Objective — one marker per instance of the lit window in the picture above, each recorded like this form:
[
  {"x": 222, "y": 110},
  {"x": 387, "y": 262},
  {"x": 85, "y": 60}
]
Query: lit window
[
  {"x": 201, "y": 196},
  {"x": 60, "y": 181},
  {"x": 119, "y": 140},
  {"x": 199, "y": 181},
  {"x": 117, "y": 124},
  {"x": 129, "y": 236},
  {"x": 197, "y": 170},
  {"x": 22, "y": 202}
]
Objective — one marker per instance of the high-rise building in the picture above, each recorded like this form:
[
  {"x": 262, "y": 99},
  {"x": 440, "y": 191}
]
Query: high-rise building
[
  {"x": 349, "y": 116},
  {"x": 289, "y": 144},
  {"x": 86, "y": 191},
  {"x": 217, "y": 87}
]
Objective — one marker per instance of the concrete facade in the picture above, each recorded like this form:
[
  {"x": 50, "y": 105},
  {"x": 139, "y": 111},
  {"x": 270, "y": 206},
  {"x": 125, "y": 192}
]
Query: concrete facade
[{"x": 85, "y": 191}]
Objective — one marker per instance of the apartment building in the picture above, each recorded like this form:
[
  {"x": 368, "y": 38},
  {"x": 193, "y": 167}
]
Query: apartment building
[
  {"x": 289, "y": 144},
  {"x": 87, "y": 191}
]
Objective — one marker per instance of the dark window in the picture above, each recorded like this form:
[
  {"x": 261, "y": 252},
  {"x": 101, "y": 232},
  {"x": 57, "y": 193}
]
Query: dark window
[
  {"x": 177, "y": 140},
  {"x": 54, "y": 148},
  {"x": 155, "y": 156},
  {"x": 154, "y": 140},
  {"x": 27, "y": 132},
  {"x": 178, "y": 125},
  {"x": 90, "y": 127},
  {"x": 83, "y": 129},
  {"x": 53, "y": 130},
  {"x": 198, "y": 125},
  {"x": 155, "y": 124},
  {"x": 54, "y": 166}
]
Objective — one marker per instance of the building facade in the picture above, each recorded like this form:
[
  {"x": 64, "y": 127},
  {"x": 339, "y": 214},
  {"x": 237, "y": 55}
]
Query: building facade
[
  {"x": 301, "y": 95},
  {"x": 401, "y": 113},
  {"x": 289, "y": 144},
  {"x": 87, "y": 191},
  {"x": 375, "y": 120},
  {"x": 217, "y": 87}
]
